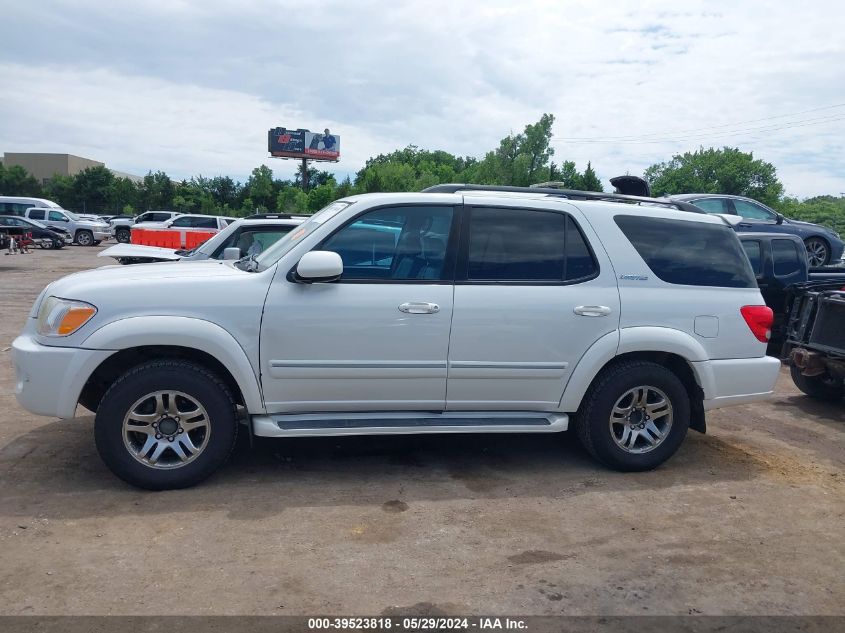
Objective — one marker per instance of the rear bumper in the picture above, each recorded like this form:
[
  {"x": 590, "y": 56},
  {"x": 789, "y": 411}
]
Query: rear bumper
[
  {"x": 48, "y": 380},
  {"x": 737, "y": 380}
]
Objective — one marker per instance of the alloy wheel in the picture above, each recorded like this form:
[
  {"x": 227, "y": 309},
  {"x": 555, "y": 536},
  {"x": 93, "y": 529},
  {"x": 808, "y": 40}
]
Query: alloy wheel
[
  {"x": 641, "y": 419},
  {"x": 166, "y": 429}
]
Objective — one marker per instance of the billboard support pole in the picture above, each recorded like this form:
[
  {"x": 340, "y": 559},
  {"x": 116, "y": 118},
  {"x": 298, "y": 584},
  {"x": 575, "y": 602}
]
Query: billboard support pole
[{"x": 305, "y": 175}]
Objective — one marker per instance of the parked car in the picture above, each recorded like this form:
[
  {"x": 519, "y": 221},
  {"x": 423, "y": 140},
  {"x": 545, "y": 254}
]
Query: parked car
[
  {"x": 196, "y": 221},
  {"x": 461, "y": 309},
  {"x": 824, "y": 246},
  {"x": 84, "y": 232},
  {"x": 779, "y": 261},
  {"x": 122, "y": 225},
  {"x": 244, "y": 237},
  {"x": 17, "y": 205},
  {"x": 815, "y": 347},
  {"x": 42, "y": 235}
]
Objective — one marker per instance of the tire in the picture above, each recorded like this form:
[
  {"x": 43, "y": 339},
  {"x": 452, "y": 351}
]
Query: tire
[
  {"x": 821, "y": 387},
  {"x": 123, "y": 235},
  {"x": 43, "y": 245},
  {"x": 97, "y": 242},
  {"x": 148, "y": 391},
  {"x": 57, "y": 244},
  {"x": 601, "y": 437},
  {"x": 818, "y": 251},
  {"x": 84, "y": 238}
]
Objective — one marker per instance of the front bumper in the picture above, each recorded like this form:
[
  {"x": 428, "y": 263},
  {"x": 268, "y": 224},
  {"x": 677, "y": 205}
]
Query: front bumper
[
  {"x": 737, "y": 380},
  {"x": 48, "y": 380},
  {"x": 102, "y": 234}
]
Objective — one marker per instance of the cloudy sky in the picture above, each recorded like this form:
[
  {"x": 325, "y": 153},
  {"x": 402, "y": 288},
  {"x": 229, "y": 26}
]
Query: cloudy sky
[{"x": 191, "y": 86}]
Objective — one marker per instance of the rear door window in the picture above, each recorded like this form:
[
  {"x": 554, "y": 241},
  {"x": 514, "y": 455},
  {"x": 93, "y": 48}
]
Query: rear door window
[
  {"x": 204, "y": 223},
  {"x": 689, "y": 253},
  {"x": 522, "y": 245},
  {"x": 712, "y": 205},
  {"x": 37, "y": 214}
]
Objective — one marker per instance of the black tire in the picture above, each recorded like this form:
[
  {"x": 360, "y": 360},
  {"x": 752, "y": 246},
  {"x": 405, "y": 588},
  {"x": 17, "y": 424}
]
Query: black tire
[
  {"x": 123, "y": 235},
  {"x": 821, "y": 387},
  {"x": 190, "y": 378},
  {"x": 97, "y": 242},
  {"x": 818, "y": 251},
  {"x": 84, "y": 238},
  {"x": 57, "y": 244},
  {"x": 592, "y": 422}
]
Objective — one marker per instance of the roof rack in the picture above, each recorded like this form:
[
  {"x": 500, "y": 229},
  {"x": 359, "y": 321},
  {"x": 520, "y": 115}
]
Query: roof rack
[
  {"x": 276, "y": 216},
  {"x": 569, "y": 194}
]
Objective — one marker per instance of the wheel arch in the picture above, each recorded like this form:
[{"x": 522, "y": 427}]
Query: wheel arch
[
  {"x": 667, "y": 347},
  {"x": 138, "y": 339}
]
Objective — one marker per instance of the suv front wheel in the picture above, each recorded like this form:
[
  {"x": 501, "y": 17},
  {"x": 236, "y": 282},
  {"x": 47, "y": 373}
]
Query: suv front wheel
[
  {"x": 634, "y": 416},
  {"x": 166, "y": 424}
]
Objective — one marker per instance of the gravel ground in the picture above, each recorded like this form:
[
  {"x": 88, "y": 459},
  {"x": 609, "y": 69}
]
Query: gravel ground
[{"x": 747, "y": 519}]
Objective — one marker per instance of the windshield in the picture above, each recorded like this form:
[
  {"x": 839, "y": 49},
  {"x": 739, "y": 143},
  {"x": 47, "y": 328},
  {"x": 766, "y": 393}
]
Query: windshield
[
  {"x": 275, "y": 252},
  {"x": 208, "y": 247}
]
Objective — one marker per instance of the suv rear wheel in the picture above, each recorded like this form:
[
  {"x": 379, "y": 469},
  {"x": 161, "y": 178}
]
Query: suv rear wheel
[
  {"x": 166, "y": 424},
  {"x": 634, "y": 416},
  {"x": 84, "y": 238}
]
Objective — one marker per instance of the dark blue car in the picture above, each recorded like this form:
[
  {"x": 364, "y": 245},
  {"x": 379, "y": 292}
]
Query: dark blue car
[{"x": 824, "y": 246}]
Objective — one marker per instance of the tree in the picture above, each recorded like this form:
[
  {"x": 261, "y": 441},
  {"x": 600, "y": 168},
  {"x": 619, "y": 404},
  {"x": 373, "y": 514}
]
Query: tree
[
  {"x": 726, "y": 170},
  {"x": 157, "y": 191},
  {"x": 16, "y": 181},
  {"x": 260, "y": 187},
  {"x": 92, "y": 189},
  {"x": 521, "y": 159},
  {"x": 589, "y": 181}
]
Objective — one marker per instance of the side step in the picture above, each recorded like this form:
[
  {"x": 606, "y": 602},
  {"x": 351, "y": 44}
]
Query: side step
[{"x": 407, "y": 422}]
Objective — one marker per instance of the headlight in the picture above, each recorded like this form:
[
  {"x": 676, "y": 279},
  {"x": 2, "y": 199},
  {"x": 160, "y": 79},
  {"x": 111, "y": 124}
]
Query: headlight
[{"x": 62, "y": 317}]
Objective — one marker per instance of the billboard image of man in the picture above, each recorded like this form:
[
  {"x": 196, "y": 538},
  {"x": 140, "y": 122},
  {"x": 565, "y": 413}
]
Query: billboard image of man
[{"x": 324, "y": 141}]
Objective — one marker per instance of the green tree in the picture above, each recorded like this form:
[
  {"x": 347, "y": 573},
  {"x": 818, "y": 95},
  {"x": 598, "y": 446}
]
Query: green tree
[
  {"x": 60, "y": 189},
  {"x": 726, "y": 170},
  {"x": 92, "y": 188},
  {"x": 260, "y": 187},
  {"x": 16, "y": 181},
  {"x": 825, "y": 210},
  {"x": 157, "y": 191},
  {"x": 123, "y": 192},
  {"x": 590, "y": 181}
]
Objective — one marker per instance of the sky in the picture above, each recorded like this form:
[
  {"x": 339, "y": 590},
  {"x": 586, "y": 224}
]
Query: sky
[{"x": 192, "y": 86}]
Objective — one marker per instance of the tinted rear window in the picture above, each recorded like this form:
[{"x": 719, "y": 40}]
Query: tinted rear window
[
  {"x": 526, "y": 245},
  {"x": 689, "y": 253}
]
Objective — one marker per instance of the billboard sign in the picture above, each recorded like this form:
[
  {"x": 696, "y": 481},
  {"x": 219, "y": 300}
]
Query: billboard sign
[{"x": 284, "y": 143}]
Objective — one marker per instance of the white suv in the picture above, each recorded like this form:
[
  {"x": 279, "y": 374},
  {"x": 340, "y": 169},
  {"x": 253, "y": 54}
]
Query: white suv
[{"x": 463, "y": 310}]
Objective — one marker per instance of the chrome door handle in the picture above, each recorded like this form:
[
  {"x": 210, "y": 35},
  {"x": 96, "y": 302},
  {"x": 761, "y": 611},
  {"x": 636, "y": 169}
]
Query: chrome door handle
[
  {"x": 419, "y": 307},
  {"x": 592, "y": 311}
]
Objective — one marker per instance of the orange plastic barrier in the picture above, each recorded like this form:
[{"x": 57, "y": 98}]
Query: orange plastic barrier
[
  {"x": 195, "y": 238},
  {"x": 152, "y": 237},
  {"x": 137, "y": 236}
]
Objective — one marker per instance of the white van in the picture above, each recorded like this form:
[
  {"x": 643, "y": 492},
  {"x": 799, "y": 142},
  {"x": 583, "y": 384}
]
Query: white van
[{"x": 12, "y": 205}]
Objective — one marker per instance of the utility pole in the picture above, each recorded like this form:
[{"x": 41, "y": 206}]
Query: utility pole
[{"x": 305, "y": 175}]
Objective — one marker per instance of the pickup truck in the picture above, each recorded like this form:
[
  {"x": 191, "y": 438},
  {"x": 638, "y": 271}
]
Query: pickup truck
[
  {"x": 780, "y": 261},
  {"x": 460, "y": 309},
  {"x": 815, "y": 344}
]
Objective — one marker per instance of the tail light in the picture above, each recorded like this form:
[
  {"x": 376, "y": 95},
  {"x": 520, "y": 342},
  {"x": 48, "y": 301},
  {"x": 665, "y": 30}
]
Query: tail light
[{"x": 759, "y": 320}]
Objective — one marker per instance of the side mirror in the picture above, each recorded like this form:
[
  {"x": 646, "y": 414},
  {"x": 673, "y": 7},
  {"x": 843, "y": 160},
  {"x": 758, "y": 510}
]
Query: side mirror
[
  {"x": 319, "y": 266},
  {"x": 233, "y": 252},
  {"x": 64, "y": 219},
  {"x": 778, "y": 218}
]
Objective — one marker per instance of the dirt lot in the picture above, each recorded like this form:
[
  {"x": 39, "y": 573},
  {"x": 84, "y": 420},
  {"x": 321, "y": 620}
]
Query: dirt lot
[{"x": 745, "y": 520}]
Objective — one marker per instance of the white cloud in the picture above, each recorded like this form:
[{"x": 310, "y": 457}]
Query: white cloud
[{"x": 192, "y": 87}]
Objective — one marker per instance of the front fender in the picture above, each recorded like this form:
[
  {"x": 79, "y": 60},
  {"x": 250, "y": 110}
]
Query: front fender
[{"x": 183, "y": 332}]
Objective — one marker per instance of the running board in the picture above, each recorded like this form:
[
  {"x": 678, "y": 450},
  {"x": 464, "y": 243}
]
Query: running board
[{"x": 406, "y": 423}]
